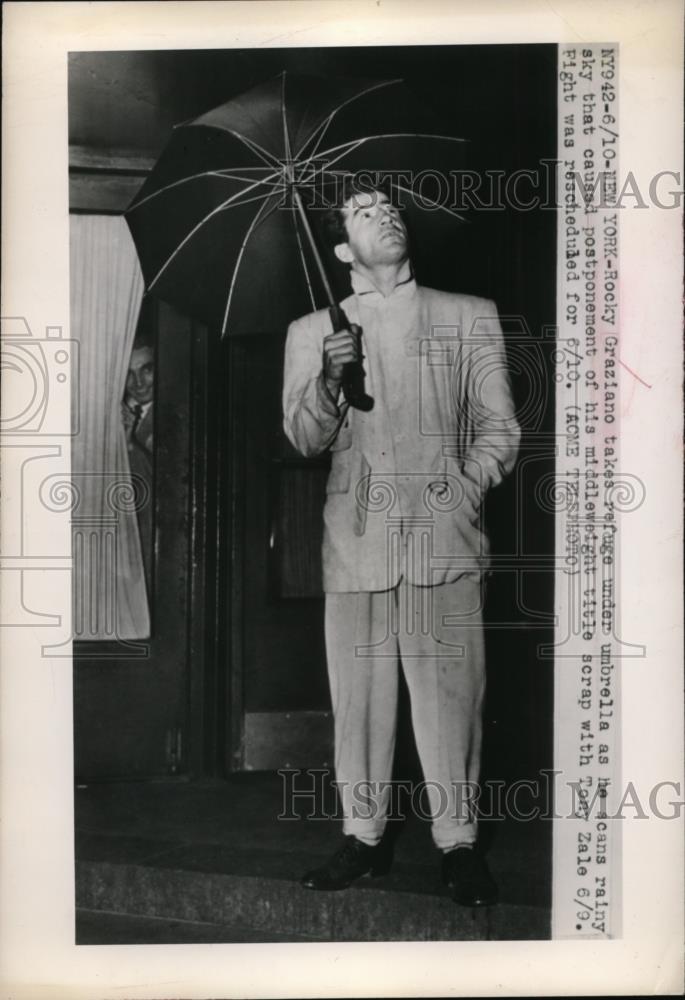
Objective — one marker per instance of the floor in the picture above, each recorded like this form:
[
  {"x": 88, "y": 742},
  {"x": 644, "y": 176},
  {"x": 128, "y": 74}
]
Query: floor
[
  {"x": 212, "y": 861},
  {"x": 99, "y": 927}
]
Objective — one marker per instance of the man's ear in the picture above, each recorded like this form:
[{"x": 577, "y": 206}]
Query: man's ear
[{"x": 342, "y": 252}]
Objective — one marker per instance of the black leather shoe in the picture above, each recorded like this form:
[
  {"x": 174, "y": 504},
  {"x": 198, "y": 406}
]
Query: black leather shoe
[
  {"x": 465, "y": 872},
  {"x": 353, "y": 860}
]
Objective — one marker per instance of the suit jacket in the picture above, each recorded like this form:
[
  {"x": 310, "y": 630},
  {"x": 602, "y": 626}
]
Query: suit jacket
[
  {"x": 145, "y": 430},
  {"x": 407, "y": 479}
]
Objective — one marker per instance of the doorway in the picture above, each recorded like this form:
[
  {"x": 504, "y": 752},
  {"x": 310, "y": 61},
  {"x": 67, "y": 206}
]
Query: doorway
[
  {"x": 278, "y": 702},
  {"x": 140, "y": 707}
]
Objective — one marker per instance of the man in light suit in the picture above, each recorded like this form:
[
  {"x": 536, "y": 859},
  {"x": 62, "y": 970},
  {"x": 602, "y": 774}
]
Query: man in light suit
[
  {"x": 404, "y": 554},
  {"x": 137, "y": 414}
]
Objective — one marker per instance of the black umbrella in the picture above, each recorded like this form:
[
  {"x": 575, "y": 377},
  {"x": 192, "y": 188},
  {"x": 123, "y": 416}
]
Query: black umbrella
[{"x": 221, "y": 224}]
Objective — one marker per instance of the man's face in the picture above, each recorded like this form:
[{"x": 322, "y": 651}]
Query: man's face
[
  {"x": 376, "y": 234},
  {"x": 140, "y": 380}
]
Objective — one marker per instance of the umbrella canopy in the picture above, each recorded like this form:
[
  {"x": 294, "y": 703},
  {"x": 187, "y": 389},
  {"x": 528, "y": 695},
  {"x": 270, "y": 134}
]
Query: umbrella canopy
[{"x": 220, "y": 223}]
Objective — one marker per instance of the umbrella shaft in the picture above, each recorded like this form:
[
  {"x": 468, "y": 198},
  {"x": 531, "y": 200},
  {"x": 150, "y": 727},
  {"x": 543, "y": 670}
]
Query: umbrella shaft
[{"x": 315, "y": 250}]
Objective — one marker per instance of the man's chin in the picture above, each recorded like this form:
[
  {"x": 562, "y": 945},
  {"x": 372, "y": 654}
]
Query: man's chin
[{"x": 396, "y": 253}]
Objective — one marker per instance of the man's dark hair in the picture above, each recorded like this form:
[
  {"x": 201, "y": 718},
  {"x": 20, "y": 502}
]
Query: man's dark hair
[
  {"x": 347, "y": 187},
  {"x": 144, "y": 339}
]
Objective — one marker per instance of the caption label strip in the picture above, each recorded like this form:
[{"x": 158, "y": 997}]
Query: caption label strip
[{"x": 586, "y": 838}]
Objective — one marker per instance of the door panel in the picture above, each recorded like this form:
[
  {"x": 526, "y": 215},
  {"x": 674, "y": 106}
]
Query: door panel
[
  {"x": 280, "y": 683},
  {"x": 131, "y": 704}
]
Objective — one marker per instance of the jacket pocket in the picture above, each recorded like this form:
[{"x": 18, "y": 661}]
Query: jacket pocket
[
  {"x": 362, "y": 498},
  {"x": 339, "y": 476},
  {"x": 343, "y": 439},
  {"x": 461, "y": 493}
]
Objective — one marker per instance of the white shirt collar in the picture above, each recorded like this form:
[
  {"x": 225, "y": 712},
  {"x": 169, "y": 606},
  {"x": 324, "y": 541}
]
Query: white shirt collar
[
  {"x": 361, "y": 285},
  {"x": 132, "y": 404}
]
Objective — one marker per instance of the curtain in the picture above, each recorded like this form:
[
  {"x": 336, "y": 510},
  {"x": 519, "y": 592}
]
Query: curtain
[{"x": 109, "y": 594}]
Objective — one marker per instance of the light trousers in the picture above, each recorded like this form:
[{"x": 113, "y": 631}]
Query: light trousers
[{"x": 437, "y": 635}]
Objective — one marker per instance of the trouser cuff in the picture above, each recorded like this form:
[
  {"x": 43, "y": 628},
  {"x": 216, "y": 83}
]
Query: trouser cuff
[
  {"x": 447, "y": 838},
  {"x": 368, "y": 833}
]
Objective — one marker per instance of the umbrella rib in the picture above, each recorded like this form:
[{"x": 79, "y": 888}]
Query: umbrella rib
[
  {"x": 192, "y": 232},
  {"x": 321, "y": 129},
  {"x": 259, "y": 197},
  {"x": 194, "y": 177},
  {"x": 286, "y": 136},
  {"x": 324, "y": 125},
  {"x": 251, "y": 144},
  {"x": 348, "y": 147},
  {"x": 429, "y": 201},
  {"x": 237, "y": 171},
  {"x": 274, "y": 186},
  {"x": 262, "y": 153},
  {"x": 253, "y": 225}
]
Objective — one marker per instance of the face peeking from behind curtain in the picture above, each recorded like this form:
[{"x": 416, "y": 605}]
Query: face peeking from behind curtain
[{"x": 140, "y": 379}]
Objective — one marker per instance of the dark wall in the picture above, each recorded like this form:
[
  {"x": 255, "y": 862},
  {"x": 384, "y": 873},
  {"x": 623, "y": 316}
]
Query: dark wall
[{"x": 502, "y": 99}]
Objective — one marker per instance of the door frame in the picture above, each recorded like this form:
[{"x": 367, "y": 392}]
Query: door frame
[
  {"x": 232, "y": 454},
  {"x": 201, "y": 717}
]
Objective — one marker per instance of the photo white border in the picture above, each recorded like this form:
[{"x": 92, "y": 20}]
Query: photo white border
[{"x": 37, "y": 954}]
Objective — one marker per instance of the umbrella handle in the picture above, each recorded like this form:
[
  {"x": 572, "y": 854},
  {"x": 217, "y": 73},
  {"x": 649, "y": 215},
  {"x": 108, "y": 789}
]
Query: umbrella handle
[{"x": 353, "y": 371}]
